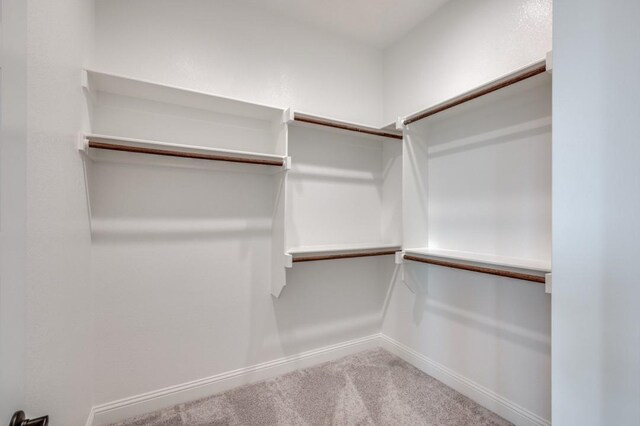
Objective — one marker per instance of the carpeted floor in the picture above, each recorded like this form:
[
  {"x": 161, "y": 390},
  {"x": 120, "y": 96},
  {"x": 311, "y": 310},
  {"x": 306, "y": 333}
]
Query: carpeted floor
[{"x": 368, "y": 388}]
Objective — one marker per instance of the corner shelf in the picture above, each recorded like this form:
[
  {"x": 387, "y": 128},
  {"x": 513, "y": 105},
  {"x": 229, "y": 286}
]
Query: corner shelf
[
  {"x": 511, "y": 267},
  {"x": 340, "y": 251},
  {"x": 141, "y": 146}
]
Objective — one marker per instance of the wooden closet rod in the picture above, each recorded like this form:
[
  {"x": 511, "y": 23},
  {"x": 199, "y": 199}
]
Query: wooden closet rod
[
  {"x": 480, "y": 269},
  {"x": 344, "y": 126},
  {"x": 183, "y": 154},
  {"x": 343, "y": 255},
  {"x": 492, "y": 87}
]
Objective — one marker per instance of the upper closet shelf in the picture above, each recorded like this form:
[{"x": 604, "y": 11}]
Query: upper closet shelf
[
  {"x": 139, "y": 146},
  {"x": 340, "y": 251},
  {"x": 299, "y": 118},
  {"x": 497, "y": 84},
  {"x": 523, "y": 269},
  {"x": 95, "y": 81}
]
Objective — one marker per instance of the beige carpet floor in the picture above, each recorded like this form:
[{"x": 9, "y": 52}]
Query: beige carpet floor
[{"x": 368, "y": 388}]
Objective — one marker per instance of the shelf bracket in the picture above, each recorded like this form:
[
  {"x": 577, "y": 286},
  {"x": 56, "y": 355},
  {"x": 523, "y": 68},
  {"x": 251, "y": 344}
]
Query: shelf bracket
[
  {"x": 549, "y": 61},
  {"x": 287, "y": 164},
  {"x": 288, "y": 260},
  {"x": 400, "y": 261},
  {"x": 547, "y": 283},
  {"x": 84, "y": 80},
  {"x": 287, "y": 116},
  {"x": 83, "y": 148},
  {"x": 407, "y": 281},
  {"x": 275, "y": 292},
  {"x": 83, "y": 144},
  {"x": 88, "y": 88},
  {"x": 400, "y": 123}
]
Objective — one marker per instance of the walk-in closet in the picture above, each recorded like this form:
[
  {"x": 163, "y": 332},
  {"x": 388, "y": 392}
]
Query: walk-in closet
[{"x": 303, "y": 212}]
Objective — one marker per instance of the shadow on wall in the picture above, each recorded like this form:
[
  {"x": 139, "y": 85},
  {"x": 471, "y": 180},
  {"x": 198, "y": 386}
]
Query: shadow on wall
[
  {"x": 181, "y": 261},
  {"x": 335, "y": 188},
  {"x": 145, "y": 200},
  {"x": 179, "y": 252},
  {"x": 500, "y": 307},
  {"x": 328, "y": 302}
]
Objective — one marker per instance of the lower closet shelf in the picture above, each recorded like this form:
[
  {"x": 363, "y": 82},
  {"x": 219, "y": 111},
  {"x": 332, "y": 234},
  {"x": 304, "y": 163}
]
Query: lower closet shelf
[
  {"x": 340, "y": 251},
  {"x": 522, "y": 269}
]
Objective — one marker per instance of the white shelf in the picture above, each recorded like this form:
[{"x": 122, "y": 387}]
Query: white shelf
[
  {"x": 96, "y": 81},
  {"x": 304, "y": 119},
  {"x": 517, "y": 76},
  {"x": 115, "y": 143},
  {"x": 340, "y": 251},
  {"x": 531, "y": 265}
]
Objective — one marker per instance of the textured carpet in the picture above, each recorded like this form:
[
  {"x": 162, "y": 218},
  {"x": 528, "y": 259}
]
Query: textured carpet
[{"x": 368, "y": 388}]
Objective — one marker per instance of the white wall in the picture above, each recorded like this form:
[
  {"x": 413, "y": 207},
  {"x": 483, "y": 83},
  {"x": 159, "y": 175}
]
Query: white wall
[
  {"x": 340, "y": 189},
  {"x": 489, "y": 174},
  {"x": 230, "y": 49},
  {"x": 493, "y": 331},
  {"x": 596, "y": 200},
  {"x": 482, "y": 173},
  {"x": 13, "y": 205},
  {"x": 182, "y": 271},
  {"x": 462, "y": 45},
  {"x": 173, "y": 307},
  {"x": 59, "y": 343}
]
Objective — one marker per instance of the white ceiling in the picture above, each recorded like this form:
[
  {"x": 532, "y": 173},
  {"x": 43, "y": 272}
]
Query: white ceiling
[{"x": 375, "y": 22}]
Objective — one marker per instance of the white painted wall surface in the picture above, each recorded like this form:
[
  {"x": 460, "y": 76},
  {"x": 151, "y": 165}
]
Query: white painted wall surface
[
  {"x": 232, "y": 49},
  {"x": 489, "y": 174},
  {"x": 181, "y": 269},
  {"x": 482, "y": 173},
  {"x": 493, "y": 331},
  {"x": 340, "y": 188},
  {"x": 596, "y": 200},
  {"x": 464, "y": 44},
  {"x": 59, "y": 332},
  {"x": 13, "y": 205},
  {"x": 188, "y": 296},
  {"x": 182, "y": 280},
  {"x": 172, "y": 306}
]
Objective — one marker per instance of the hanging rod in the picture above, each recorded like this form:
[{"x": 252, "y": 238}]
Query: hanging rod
[
  {"x": 480, "y": 269},
  {"x": 120, "y": 144},
  {"x": 305, "y": 118},
  {"x": 313, "y": 258},
  {"x": 516, "y": 77}
]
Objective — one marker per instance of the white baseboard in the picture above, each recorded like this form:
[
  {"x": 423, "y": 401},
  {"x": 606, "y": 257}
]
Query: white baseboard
[
  {"x": 115, "y": 411},
  {"x": 144, "y": 403},
  {"x": 480, "y": 394}
]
